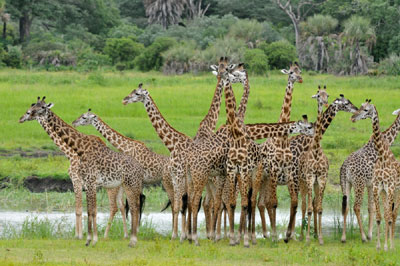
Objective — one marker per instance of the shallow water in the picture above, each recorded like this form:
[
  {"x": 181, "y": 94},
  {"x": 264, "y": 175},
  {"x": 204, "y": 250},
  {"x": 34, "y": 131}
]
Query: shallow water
[{"x": 161, "y": 222}]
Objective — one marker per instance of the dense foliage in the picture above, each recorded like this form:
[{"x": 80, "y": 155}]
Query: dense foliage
[{"x": 346, "y": 37}]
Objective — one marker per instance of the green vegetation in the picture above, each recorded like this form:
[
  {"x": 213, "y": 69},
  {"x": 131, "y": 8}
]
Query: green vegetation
[{"x": 162, "y": 251}]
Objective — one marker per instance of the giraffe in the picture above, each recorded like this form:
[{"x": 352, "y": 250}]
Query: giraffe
[
  {"x": 155, "y": 165},
  {"x": 242, "y": 161},
  {"x": 386, "y": 177},
  {"x": 98, "y": 166},
  {"x": 277, "y": 159},
  {"x": 313, "y": 170},
  {"x": 298, "y": 145},
  {"x": 114, "y": 194},
  {"x": 357, "y": 171}
]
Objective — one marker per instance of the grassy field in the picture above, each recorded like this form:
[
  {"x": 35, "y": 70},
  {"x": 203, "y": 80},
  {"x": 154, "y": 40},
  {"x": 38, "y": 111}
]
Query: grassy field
[{"x": 161, "y": 251}]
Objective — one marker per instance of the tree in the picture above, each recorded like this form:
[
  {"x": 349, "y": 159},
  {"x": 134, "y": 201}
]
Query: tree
[
  {"x": 359, "y": 34},
  {"x": 164, "y": 12},
  {"x": 297, "y": 13},
  {"x": 315, "y": 41},
  {"x": 196, "y": 10},
  {"x": 5, "y": 17}
]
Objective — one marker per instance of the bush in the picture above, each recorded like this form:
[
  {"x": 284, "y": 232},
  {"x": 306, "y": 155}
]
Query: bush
[
  {"x": 90, "y": 60},
  {"x": 151, "y": 57},
  {"x": 14, "y": 56},
  {"x": 256, "y": 61},
  {"x": 125, "y": 31},
  {"x": 390, "y": 65},
  {"x": 248, "y": 30},
  {"x": 122, "y": 50},
  {"x": 280, "y": 54}
]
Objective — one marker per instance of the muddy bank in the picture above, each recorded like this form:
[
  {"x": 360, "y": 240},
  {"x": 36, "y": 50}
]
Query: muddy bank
[
  {"x": 39, "y": 185},
  {"x": 30, "y": 153}
]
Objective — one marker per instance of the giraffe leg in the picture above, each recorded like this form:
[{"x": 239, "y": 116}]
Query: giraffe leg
[
  {"x": 133, "y": 196},
  {"x": 309, "y": 205},
  {"x": 293, "y": 208},
  {"x": 371, "y": 211},
  {"x": 386, "y": 213},
  {"x": 303, "y": 192},
  {"x": 243, "y": 184},
  {"x": 272, "y": 205},
  {"x": 91, "y": 205},
  {"x": 112, "y": 199},
  {"x": 207, "y": 210},
  {"x": 197, "y": 191},
  {"x": 345, "y": 209},
  {"x": 321, "y": 190},
  {"x": 315, "y": 213},
  {"x": 261, "y": 207},
  {"x": 231, "y": 177},
  {"x": 121, "y": 205},
  {"x": 218, "y": 225},
  {"x": 225, "y": 224},
  {"x": 378, "y": 217},
  {"x": 389, "y": 207},
  {"x": 170, "y": 193},
  {"x": 77, "y": 184},
  {"x": 358, "y": 192},
  {"x": 216, "y": 217}
]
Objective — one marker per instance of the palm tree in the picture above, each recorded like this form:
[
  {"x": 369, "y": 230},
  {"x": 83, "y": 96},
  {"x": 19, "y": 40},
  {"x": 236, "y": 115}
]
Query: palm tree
[
  {"x": 164, "y": 12},
  {"x": 359, "y": 35},
  {"x": 5, "y": 17},
  {"x": 316, "y": 33}
]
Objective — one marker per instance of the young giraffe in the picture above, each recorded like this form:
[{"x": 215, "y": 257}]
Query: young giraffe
[
  {"x": 357, "y": 171},
  {"x": 98, "y": 165},
  {"x": 386, "y": 176},
  {"x": 313, "y": 170},
  {"x": 114, "y": 194},
  {"x": 277, "y": 160},
  {"x": 155, "y": 165}
]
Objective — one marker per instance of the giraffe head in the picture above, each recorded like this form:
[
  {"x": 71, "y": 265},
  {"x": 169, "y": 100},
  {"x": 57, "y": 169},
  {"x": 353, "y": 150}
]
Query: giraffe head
[
  {"x": 294, "y": 73},
  {"x": 321, "y": 96},
  {"x": 85, "y": 119},
  {"x": 37, "y": 110},
  {"x": 233, "y": 73},
  {"x": 303, "y": 127},
  {"x": 137, "y": 95},
  {"x": 344, "y": 104},
  {"x": 396, "y": 112},
  {"x": 366, "y": 111}
]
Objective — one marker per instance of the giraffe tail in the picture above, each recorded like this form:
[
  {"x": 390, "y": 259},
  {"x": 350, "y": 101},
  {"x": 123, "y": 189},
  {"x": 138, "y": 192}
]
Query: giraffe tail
[
  {"x": 184, "y": 203},
  {"x": 141, "y": 208},
  {"x": 249, "y": 205},
  {"x": 126, "y": 208},
  {"x": 344, "y": 204},
  {"x": 166, "y": 205},
  {"x": 198, "y": 209},
  {"x": 343, "y": 184}
]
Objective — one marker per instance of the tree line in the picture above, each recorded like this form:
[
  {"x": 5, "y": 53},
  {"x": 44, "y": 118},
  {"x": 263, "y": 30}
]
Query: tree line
[{"x": 346, "y": 37}]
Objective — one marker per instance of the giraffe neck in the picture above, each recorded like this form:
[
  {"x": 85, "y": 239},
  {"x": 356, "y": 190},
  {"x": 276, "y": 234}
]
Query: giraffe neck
[
  {"x": 377, "y": 136},
  {"x": 230, "y": 105},
  {"x": 74, "y": 139},
  {"x": 269, "y": 130},
  {"x": 318, "y": 131},
  {"x": 59, "y": 143},
  {"x": 169, "y": 136},
  {"x": 287, "y": 103},
  {"x": 243, "y": 102},
  {"x": 122, "y": 143},
  {"x": 391, "y": 133},
  {"x": 327, "y": 117},
  {"x": 210, "y": 120}
]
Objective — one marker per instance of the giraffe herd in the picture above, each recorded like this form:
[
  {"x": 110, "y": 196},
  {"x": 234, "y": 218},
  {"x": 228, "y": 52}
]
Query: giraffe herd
[{"x": 226, "y": 163}]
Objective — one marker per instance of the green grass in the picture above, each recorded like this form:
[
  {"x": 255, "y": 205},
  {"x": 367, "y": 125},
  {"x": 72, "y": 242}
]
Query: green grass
[{"x": 162, "y": 251}]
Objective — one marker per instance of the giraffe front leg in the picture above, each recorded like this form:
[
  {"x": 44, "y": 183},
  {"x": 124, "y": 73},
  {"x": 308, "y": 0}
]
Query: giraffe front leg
[
  {"x": 310, "y": 205},
  {"x": 321, "y": 190},
  {"x": 272, "y": 204},
  {"x": 389, "y": 207},
  {"x": 371, "y": 211},
  {"x": 261, "y": 207},
  {"x": 231, "y": 177},
  {"x": 293, "y": 208},
  {"x": 133, "y": 195},
  {"x": 216, "y": 217},
  {"x": 112, "y": 199},
  {"x": 303, "y": 192},
  {"x": 77, "y": 185},
  {"x": 244, "y": 208}
]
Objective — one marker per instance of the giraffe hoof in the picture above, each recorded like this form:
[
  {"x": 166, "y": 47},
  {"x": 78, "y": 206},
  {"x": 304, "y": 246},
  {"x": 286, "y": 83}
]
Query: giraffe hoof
[
  {"x": 286, "y": 240},
  {"x": 87, "y": 243},
  {"x": 343, "y": 241},
  {"x": 369, "y": 238}
]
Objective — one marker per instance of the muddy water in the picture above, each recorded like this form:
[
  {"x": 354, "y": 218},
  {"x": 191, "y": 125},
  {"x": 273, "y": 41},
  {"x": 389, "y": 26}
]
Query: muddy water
[{"x": 161, "y": 222}]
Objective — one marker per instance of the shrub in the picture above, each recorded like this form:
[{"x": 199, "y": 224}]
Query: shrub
[
  {"x": 248, "y": 30},
  {"x": 280, "y": 54},
  {"x": 122, "y": 50},
  {"x": 256, "y": 61},
  {"x": 390, "y": 65},
  {"x": 90, "y": 60},
  {"x": 14, "y": 56},
  {"x": 151, "y": 57},
  {"x": 151, "y": 33},
  {"x": 125, "y": 31}
]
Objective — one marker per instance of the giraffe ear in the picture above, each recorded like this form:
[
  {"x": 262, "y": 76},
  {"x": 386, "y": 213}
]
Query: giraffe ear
[
  {"x": 90, "y": 109},
  {"x": 305, "y": 118},
  {"x": 50, "y": 105},
  {"x": 214, "y": 67},
  {"x": 396, "y": 112},
  {"x": 284, "y": 71},
  {"x": 215, "y": 73}
]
